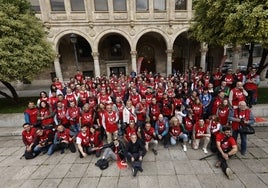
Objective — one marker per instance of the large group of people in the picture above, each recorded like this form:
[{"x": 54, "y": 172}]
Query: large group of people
[{"x": 121, "y": 117}]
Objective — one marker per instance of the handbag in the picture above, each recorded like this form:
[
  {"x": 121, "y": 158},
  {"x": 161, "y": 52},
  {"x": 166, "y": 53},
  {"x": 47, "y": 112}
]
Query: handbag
[{"x": 246, "y": 129}]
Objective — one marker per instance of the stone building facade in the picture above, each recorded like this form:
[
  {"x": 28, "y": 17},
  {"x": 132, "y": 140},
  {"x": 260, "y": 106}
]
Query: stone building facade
[{"x": 113, "y": 36}]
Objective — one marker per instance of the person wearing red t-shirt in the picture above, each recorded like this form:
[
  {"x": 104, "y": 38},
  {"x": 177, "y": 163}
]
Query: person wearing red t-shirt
[
  {"x": 43, "y": 141},
  {"x": 95, "y": 140},
  {"x": 141, "y": 111},
  {"x": 201, "y": 131},
  {"x": 109, "y": 123},
  {"x": 60, "y": 115},
  {"x": 30, "y": 114},
  {"x": 83, "y": 142},
  {"x": 149, "y": 137},
  {"x": 87, "y": 116},
  {"x": 134, "y": 97},
  {"x": 63, "y": 139},
  {"x": 73, "y": 114},
  {"x": 223, "y": 112},
  {"x": 130, "y": 129},
  {"x": 237, "y": 94},
  {"x": 176, "y": 132},
  {"x": 45, "y": 115},
  {"x": 241, "y": 116},
  {"x": 28, "y": 135},
  {"x": 154, "y": 111},
  {"x": 78, "y": 77},
  {"x": 214, "y": 126},
  {"x": 227, "y": 147}
]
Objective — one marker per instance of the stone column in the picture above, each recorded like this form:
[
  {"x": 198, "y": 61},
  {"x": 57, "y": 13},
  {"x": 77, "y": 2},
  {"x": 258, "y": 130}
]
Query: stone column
[
  {"x": 96, "y": 63},
  {"x": 203, "y": 50},
  {"x": 134, "y": 61},
  {"x": 58, "y": 68},
  {"x": 236, "y": 56},
  {"x": 169, "y": 61}
]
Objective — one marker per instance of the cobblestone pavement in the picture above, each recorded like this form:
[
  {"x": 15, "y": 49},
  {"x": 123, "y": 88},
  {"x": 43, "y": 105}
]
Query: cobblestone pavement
[{"x": 170, "y": 168}]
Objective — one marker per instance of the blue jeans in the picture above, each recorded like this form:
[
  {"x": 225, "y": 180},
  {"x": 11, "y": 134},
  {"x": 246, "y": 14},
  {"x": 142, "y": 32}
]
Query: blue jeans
[
  {"x": 243, "y": 141},
  {"x": 48, "y": 148}
]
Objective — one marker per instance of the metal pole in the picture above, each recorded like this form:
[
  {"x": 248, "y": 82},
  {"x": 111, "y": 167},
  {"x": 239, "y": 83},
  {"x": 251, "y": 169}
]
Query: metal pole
[{"x": 76, "y": 59}]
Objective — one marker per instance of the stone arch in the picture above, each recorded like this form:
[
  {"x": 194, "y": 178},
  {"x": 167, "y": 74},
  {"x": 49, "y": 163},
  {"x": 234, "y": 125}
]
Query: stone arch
[
  {"x": 110, "y": 31},
  {"x": 154, "y": 30},
  {"x": 59, "y": 35}
]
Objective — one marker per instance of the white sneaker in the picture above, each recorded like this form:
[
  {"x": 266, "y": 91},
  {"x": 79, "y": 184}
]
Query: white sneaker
[
  {"x": 205, "y": 150},
  {"x": 190, "y": 141},
  {"x": 184, "y": 148},
  {"x": 229, "y": 173}
]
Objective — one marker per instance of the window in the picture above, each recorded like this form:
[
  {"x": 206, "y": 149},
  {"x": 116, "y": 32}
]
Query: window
[
  {"x": 35, "y": 5},
  {"x": 159, "y": 4},
  {"x": 142, "y": 5},
  {"x": 120, "y": 5},
  {"x": 57, "y": 5},
  {"x": 101, "y": 5},
  {"x": 77, "y": 5},
  {"x": 180, "y": 5}
]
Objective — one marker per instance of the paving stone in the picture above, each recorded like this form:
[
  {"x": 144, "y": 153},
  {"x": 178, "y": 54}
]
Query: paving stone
[
  {"x": 25, "y": 172},
  {"x": 238, "y": 166},
  {"x": 259, "y": 142},
  {"x": 208, "y": 180},
  {"x": 42, "y": 172},
  {"x": 9, "y": 172},
  {"x": 256, "y": 152},
  {"x": 165, "y": 168},
  {"x": 128, "y": 182},
  {"x": 12, "y": 184},
  {"x": 89, "y": 182},
  {"x": 31, "y": 183},
  {"x": 54, "y": 159},
  {"x": 201, "y": 167},
  {"x": 145, "y": 181},
  {"x": 76, "y": 170},
  {"x": 178, "y": 155},
  {"x": 112, "y": 170},
  {"x": 251, "y": 180},
  {"x": 59, "y": 171},
  {"x": 149, "y": 156},
  {"x": 183, "y": 167},
  {"x": 93, "y": 171},
  {"x": 149, "y": 168},
  {"x": 189, "y": 181},
  {"x": 69, "y": 157},
  {"x": 69, "y": 182},
  {"x": 50, "y": 183},
  {"x": 111, "y": 182},
  {"x": 221, "y": 180},
  {"x": 256, "y": 165},
  {"x": 264, "y": 178},
  {"x": 265, "y": 149},
  {"x": 170, "y": 181},
  {"x": 163, "y": 155},
  {"x": 10, "y": 150}
]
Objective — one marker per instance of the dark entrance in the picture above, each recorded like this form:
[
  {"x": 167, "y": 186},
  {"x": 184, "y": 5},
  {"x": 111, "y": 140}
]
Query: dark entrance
[{"x": 118, "y": 70}]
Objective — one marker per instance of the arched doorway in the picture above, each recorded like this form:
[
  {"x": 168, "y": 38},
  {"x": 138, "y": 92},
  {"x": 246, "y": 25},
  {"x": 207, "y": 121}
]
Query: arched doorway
[
  {"x": 148, "y": 61},
  {"x": 115, "y": 57},
  {"x": 69, "y": 50}
]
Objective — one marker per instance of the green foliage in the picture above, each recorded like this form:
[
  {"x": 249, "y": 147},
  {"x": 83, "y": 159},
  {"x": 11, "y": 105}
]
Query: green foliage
[
  {"x": 231, "y": 21},
  {"x": 24, "y": 50}
]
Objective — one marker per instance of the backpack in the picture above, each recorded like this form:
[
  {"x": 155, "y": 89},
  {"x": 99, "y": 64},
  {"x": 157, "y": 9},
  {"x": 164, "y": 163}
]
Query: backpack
[{"x": 102, "y": 164}]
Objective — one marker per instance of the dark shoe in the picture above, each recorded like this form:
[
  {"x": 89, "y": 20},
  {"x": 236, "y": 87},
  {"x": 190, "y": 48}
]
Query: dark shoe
[
  {"x": 165, "y": 146},
  {"x": 134, "y": 172},
  {"x": 140, "y": 169},
  {"x": 155, "y": 152},
  {"x": 243, "y": 153},
  {"x": 62, "y": 151}
]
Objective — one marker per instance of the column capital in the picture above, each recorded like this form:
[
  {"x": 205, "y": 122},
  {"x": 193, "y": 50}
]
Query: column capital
[
  {"x": 95, "y": 54},
  {"x": 169, "y": 51},
  {"x": 133, "y": 52}
]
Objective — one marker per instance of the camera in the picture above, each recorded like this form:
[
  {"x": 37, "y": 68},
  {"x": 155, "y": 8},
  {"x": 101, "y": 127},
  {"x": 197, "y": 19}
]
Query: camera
[{"x": 242, "y": 121}]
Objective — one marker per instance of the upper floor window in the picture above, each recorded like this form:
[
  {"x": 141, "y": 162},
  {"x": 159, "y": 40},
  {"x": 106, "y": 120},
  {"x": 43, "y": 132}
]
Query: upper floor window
[
  {"x": 57, "y": 5},
  {"x": 119, "y": 5},
  {"x": 35, "y": 5},
  {"x": 180, "y": 5},
  {"x": 160, "y": 5},
  {"x": 142, "y": 5},
  {"x": 77, "y": 5},
  {"x": 101, "y": 5}
]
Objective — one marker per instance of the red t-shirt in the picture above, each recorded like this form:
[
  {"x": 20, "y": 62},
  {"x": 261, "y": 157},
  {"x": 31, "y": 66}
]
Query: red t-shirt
[{"x": 225, "y": 143}]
